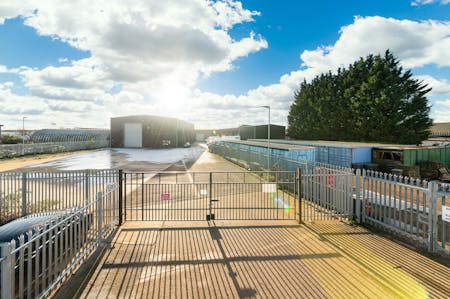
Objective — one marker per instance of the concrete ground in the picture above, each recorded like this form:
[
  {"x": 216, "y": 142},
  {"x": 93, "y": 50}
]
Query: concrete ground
[
  {"x": 256, "y": 259},
  {"x": 115, "y": 158}
]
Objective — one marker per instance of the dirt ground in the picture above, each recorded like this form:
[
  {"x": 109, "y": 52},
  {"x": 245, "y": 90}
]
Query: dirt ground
[{"x": 19, "y": 162}]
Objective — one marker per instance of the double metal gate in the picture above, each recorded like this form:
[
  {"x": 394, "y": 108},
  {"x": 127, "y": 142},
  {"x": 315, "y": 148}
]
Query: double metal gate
[
  {"x": 281, "y": 195},
  {"x": 210, "y": 196}
]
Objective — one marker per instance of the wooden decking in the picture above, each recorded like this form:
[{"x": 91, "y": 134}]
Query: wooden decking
[{"x": 249, "y": 259}]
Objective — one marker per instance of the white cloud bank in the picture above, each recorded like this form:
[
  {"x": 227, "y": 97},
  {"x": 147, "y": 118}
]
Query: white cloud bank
[
  {"x": 157, "y": 50},
  {"x": 425, "y": 2}
]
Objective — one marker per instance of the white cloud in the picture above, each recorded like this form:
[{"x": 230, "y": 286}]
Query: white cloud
[
  {"x": 439, "y": 86},
  {"x": 414, "y": 43},
  {"x": 11, "y": 9},
  {"x": 426, "y": 2},
  {"x": 157, "y": 50}
]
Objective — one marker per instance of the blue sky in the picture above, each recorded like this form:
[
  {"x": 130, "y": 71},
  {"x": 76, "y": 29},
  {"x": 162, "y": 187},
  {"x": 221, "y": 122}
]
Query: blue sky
[
  {"x": 305, "y": 25},
  {"x": 206, "y": 62}
]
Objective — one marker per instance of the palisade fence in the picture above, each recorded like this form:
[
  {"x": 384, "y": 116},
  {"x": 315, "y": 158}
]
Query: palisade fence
[
  {"x": 407, "y": 207},
  {"x": 35, "y": 265},
  {"x": 17, "y": 150},
  {"x": 255, "y": 160},
  {"x": 25, "y": 193}
]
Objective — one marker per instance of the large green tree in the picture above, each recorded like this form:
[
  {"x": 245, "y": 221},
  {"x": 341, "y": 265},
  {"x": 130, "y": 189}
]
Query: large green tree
[{"x": 373, "y": 100}]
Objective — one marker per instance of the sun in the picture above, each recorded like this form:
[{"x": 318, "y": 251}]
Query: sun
[{"x": 174, "y": 97}]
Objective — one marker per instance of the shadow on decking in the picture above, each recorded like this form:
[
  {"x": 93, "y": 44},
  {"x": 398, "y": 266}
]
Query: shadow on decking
[{"x": 236, "y": 260}]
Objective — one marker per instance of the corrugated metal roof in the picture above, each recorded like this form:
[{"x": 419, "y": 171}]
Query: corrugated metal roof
[
  {"x": 440, "y": 129},
  {"x": 286, "y": 147},
  {"x": 342, "y": 144}
]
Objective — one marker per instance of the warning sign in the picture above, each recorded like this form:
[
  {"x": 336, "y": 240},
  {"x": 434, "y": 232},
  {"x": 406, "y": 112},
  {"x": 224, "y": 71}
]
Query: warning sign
[
  {"x": 165, "y": 196},
  {"x": 269, "y": 188},
  {"x": 446, "y": 213}
]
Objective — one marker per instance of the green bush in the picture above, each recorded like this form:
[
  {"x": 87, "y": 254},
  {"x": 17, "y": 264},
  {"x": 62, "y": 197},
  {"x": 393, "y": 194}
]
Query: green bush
[{"x": 8, "y": 139}]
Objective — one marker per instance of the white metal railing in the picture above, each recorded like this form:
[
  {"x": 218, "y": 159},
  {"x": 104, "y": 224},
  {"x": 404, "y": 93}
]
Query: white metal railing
[
  {"x": 34, "y": 264},
  {"x": 405, "y": 206},
  {"x": 24, "y": 193}
]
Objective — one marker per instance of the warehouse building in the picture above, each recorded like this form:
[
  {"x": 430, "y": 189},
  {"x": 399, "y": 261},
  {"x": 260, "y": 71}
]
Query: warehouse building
[
  {"x": 150, "y": 131},
  {"x": 260, "y": 132}
]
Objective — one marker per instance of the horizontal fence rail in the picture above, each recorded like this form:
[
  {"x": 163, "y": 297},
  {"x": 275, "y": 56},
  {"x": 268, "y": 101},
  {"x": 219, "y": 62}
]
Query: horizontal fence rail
[
  {"x": 25, "y": 193},
  {"x": 34, "y": 264}
]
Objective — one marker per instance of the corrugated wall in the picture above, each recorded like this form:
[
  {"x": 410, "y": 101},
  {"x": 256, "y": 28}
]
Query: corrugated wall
[
  {"x": 412, "y": 157},
  {"x": 297, "y": 155}
]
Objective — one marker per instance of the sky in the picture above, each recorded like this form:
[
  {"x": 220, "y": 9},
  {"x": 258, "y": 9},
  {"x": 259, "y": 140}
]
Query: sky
[{"x": 66, "y": 64}]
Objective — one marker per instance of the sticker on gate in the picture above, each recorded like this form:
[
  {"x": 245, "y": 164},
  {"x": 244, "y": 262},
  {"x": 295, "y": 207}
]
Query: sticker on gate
[
  {"x": 446, "y": 213},
  {"x": 203, "y": 192},
  {"x": 165, "y": 196},
  {"x": 269, "y": 188},
  {"x": 110, "y": 187}
]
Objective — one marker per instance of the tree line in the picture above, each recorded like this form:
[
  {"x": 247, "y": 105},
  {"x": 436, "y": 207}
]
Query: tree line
[{"x": 373, "y": 100}]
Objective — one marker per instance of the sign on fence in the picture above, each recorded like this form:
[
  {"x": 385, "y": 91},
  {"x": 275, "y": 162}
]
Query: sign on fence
[
  {"x": 110, "y": 187},
  {"x": 446, "y": 213},
  {"x": 269, "y": 188},
  {"x": 165, "y": 196}
]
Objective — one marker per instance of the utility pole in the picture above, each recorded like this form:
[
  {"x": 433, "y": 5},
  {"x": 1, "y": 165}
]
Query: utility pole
[{"x": 268, "y": 139}]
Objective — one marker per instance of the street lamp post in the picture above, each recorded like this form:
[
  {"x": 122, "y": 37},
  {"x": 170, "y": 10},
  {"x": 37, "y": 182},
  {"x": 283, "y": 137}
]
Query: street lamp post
[
  {"x": 1, "y": 134},
  {"x": 268, "y": 138}
]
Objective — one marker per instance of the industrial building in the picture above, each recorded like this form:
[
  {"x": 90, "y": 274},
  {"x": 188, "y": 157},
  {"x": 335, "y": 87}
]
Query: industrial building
[
  {"x": 245, "y": 132},
  {"x": 150, "y": 131},
  {"x": 70, "y": 135},
  {"x": 260, "y": 132}
]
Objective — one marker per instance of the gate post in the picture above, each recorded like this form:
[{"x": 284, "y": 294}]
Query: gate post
[
  {"x": 432, "y": 217},
  {"x": 358, "y": 196},
  {"x": 210, "y": 216},
  {"x": 299, "y": 192},
  {"x": 120, "y": 196}
]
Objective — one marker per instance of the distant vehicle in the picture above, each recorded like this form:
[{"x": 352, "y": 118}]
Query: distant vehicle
[
  {"x": 165, "y": 143},
  {"x": 187, "y": 144}
]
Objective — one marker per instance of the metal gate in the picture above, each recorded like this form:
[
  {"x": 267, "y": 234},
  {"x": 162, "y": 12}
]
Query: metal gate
[
  {"x": 327, "y": 194},
  {"x": 210, "y": 196}
]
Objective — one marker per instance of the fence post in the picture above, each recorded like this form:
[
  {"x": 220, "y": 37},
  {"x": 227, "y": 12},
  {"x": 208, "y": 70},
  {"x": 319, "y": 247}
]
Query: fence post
[
  {"x": 299, "y": 191},
  {"x": 432, "y": 217},
  {"x": 86, "y": 187},
  {"x": 120, "y": 196},
  {"x": 5, "y": 271},
  {"x": 358, "y": 196},
  {"x": 99, "y": 217},
  {"x": 24, "y": 194}
]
